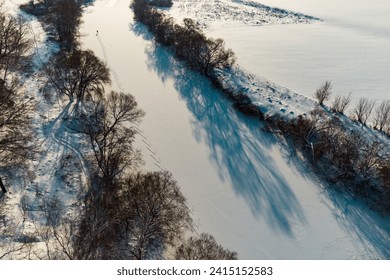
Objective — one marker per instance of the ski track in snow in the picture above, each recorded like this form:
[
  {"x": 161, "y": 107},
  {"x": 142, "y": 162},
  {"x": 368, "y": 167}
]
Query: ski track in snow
[{"x": 144, "y": 139}]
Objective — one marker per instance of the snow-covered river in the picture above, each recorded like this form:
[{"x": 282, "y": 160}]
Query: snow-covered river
[
  {"x": 350, "y": 47},
  {"x": 241, "y": 186}
]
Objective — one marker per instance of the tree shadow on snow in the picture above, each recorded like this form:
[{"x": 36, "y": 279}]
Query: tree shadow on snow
[
  {"x": 241, "y": 151},
  {"x": 238, "y": 147}
]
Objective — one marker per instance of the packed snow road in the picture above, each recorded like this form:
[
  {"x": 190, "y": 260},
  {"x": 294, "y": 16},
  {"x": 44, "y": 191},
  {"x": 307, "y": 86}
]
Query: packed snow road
[{"x": 241, "y": 186}]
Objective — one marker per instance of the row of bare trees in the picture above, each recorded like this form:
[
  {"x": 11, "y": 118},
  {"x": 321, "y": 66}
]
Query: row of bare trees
[
  {"x": 343, "y": 156},
  {"x": 187, "y": 41},
  {"x": 134, "y": 215},
  {"x": 15, "y": 110},
  {"x": 126, "y": 214},
  {"x": 14, "y": 44},
  {"x": 15, "y": 113},
  {"x": 363, "y": 110}
]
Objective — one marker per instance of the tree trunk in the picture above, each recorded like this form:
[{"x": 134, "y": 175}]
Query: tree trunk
[{"x": 2, "y": 186}]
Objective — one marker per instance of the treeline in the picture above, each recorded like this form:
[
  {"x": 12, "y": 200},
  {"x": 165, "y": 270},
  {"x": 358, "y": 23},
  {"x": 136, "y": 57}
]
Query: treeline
[
  {"x": 187, "y": 42},
  {"x": 345, "y": 158},
  {"x": 16, "y": 137},
  {"x": 123, "y": 213},
  {"x": 363, "y": 110},
  {"x": 15, "y": 110}
]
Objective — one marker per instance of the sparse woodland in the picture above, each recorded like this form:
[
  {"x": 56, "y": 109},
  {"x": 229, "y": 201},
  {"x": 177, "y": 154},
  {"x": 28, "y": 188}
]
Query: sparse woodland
[{"x": 122, "y": 212}]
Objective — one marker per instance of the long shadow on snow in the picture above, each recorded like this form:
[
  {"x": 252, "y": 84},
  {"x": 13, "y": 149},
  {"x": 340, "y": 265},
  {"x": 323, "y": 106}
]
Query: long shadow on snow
[
  {"x": 238, "y": 148},
  {"x": 241, "y": 151}
]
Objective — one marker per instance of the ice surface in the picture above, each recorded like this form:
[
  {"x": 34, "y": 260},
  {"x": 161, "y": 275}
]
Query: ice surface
[{"x": 242, "y": 187}]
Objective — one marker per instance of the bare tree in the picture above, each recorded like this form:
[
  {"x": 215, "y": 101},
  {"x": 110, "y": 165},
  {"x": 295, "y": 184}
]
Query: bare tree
[
  {"x": 203, "y": 247},
  {"x": 214, "y": 55},
  {"x": 324, "y": 92},
  {"x": 15, "y": 133},
  {"x": 382, "y": 116},
  {"x": 77, "y": 74},
  {"x": 340, "y": 103},
  {"x": 111, "y": 141},
  {"x": 155, "y": 214},
  {"x": 14, "y": 43},
  {"x": 143, "y": 215},
  {"x": 363, "y": 110}
]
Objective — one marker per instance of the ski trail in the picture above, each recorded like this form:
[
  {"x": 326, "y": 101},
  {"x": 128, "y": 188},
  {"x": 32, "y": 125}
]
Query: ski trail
[
  {"x": 57, "y": 125},
  {"x": 144, "y": 139}
]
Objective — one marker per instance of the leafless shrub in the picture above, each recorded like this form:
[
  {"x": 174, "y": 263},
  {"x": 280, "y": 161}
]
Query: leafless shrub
[
  {"x": 382, "y": 116},
  {"x": 24, "y": 206},
  {"x": 305, "y": 128},
  {"x": 363, "y": 110},
  {"x": 340, "y": 103},
  {"x": 369, "y": 159},
  {"x": 203, "y": 247},
  {"x": 324, "y": 92},
  {"x": 344, "y": 149}
]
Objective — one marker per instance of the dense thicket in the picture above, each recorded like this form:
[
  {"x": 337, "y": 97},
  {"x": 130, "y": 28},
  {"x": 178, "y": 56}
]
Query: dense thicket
[
  {"x": 345, "y": 158},
  {"x": 62, "y": 18}
]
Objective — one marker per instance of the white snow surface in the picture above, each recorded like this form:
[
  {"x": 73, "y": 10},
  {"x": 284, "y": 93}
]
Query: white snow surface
[
  {"x": 233, "y": 13},
  {"x": 348, "y": 46},
  {"x": 252, "y": 194}
]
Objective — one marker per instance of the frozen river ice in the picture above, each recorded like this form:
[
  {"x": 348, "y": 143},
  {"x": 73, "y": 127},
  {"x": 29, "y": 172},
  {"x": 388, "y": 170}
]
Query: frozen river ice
[{"x": 240, "y": 184}]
